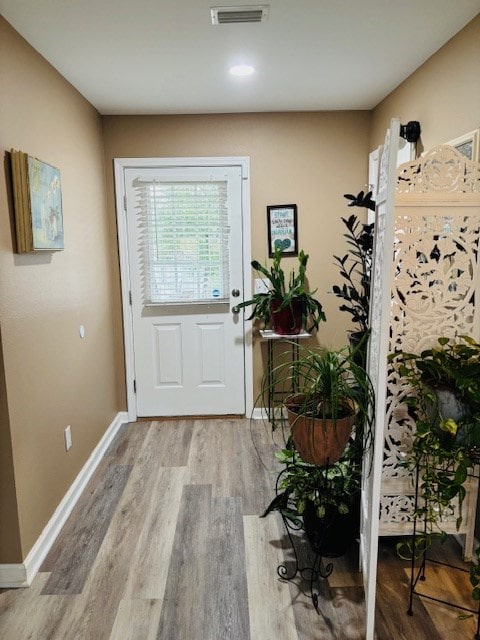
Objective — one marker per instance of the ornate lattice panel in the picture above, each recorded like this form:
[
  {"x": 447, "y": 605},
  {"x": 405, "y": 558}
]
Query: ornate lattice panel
[
  {"x": 441, "y": 172},
  {"x": 434, "y": 292}
]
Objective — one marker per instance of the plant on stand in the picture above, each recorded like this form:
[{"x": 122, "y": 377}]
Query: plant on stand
[
  {"x": 287, "y": 305},
  {"x": 330, "y": 422},
  {"x": 445, "y": 404},
  {"x": 320, "y": 500},
  {"x": 333, "y": 391}
]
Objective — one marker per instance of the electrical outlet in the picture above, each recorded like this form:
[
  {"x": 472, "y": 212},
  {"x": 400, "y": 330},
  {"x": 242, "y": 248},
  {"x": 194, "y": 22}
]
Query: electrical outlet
[{"x": 68, "y": 437}]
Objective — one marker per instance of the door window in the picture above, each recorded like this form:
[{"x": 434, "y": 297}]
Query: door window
[{"x": 184, "y": 241}]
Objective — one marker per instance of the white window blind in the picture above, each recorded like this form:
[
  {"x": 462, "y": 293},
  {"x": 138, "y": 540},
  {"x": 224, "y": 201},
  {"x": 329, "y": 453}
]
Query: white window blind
[{"x": 184, "y": 238}]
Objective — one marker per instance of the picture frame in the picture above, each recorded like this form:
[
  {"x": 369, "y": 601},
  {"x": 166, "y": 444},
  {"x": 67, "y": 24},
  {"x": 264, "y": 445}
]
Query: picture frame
[
  {"x": 37, "y": 197},
  {"x": 282, "y": 229},
  {"x": 468, "y": 145}
]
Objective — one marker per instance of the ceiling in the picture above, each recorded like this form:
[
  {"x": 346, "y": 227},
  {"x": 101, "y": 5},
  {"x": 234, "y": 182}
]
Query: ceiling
[{"x": 165, "y": 56}]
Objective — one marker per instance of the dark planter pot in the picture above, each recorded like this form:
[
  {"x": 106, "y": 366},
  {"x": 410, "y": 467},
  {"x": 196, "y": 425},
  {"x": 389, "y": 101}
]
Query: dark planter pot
[
  {"x": 333, "y": 535},
  {"x": 359, "y": 341},
  {"x": 287, "y": 321},
  {"x": 447, "y": 403},
  {"x": 445, "y": 406}
]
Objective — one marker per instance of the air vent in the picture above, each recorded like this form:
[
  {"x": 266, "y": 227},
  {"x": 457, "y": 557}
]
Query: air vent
[{"x": 239, "y": 15}]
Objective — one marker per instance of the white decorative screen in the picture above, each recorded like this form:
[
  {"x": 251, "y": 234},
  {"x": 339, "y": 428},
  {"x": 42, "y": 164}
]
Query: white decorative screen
[{"x": 434, "y": 292}]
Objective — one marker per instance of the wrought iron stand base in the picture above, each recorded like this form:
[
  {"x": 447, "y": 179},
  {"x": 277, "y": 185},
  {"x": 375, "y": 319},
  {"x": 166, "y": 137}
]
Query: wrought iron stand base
[
  {"x": 418, "y": 574},
  {"x": 312, "y": 575}
]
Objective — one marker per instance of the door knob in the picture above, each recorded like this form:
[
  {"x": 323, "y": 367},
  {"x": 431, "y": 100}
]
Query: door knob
[
  {"x": 235, "y": 310},
  {"x": 235, "y": 293}
]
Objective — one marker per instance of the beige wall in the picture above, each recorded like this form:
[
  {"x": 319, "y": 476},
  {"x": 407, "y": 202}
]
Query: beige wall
[
  {"x": 443, "y": 94},
  {"x": 10, "y": 547},
  {"x": 50, "y": 377},
  {"x": 310, "y": 159}
]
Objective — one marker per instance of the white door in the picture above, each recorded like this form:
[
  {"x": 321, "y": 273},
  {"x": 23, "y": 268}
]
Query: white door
[
  {"x": 377, "y": 365},
  {"x": 185, "y": 262}
]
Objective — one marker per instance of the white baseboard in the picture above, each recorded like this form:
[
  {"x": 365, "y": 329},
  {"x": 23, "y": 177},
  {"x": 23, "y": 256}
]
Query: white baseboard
[
  {"x": 260, "y": 413},
  {"x": 13, "y": 576},
  {"x": 22, "y": 574}
]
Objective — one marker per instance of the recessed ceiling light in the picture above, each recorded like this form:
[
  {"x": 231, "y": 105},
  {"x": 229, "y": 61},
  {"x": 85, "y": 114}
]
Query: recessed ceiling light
[{"x": 242, "y": 70}]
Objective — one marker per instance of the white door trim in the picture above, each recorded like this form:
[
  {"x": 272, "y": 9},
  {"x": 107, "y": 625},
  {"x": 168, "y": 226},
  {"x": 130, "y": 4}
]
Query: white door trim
[{"x": 120, "y": 164}]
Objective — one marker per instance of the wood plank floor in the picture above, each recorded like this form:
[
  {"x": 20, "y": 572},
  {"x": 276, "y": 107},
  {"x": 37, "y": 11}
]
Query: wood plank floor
[{"x": 166, "y": 543}]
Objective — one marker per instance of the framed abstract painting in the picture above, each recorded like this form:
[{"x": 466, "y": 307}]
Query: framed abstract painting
[{"x": 37, "y": 198}]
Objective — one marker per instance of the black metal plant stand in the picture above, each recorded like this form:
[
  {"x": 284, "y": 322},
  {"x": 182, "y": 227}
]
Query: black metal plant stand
[
  {"x": 293, "y": 345},
  {"x": 419, "y": 573},
  {"x": 310, "y": 574}
]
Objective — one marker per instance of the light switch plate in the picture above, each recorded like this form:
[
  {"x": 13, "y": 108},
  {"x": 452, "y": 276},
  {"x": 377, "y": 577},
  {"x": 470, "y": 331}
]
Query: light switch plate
[{"x": 261, "y": 285}]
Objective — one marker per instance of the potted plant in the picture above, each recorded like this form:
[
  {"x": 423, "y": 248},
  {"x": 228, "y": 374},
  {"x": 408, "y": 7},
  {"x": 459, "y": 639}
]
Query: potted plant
[
  {"x": 287, "y": 305},
  {"x": 320, "y": 500},
  {"x": 447, "y": 392},
  {"x": 333, "y": 392},
  {"x": 318, "y": 489},
  {"x": 445, "y": 404}
]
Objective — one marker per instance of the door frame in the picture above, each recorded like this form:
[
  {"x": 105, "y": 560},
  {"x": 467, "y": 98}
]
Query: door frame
[{"x": 120, "y": 164}]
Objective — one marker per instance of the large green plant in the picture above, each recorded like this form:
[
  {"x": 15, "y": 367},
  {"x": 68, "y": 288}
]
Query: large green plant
[
  {"x": 454, "y": 366},
  {"x": 328, "y": 381},
  {"x": 444, "y": 445},
  {"x": 329, "y": 487},
  {"x": 285, "y": 289}
]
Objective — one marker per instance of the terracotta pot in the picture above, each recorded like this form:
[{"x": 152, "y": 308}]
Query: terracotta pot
[
  {"x": 317, "y": 440},
  {"x": 288, "y": 321}
]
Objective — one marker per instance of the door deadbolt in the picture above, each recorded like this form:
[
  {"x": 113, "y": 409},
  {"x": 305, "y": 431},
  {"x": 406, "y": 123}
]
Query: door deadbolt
[{"x": 235, "y": 293}]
